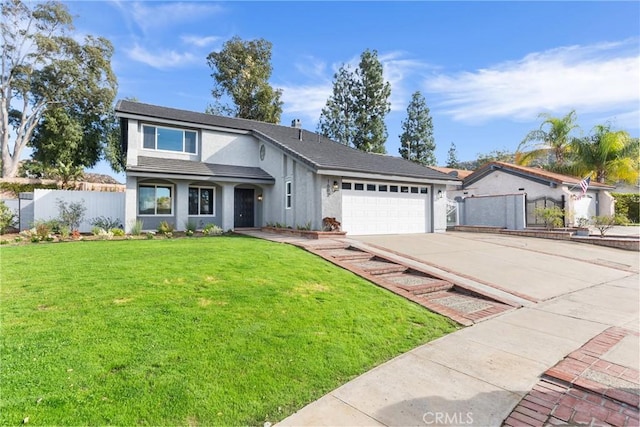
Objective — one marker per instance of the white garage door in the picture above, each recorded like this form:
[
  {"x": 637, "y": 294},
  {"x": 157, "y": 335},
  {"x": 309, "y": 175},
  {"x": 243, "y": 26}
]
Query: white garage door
[{"x": 368, "y": 211}]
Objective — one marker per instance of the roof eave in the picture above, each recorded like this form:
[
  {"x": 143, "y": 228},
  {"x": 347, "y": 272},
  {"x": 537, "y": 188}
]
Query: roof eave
[
  {"x": 382, "y": 176},
  {"x": 147, "y": 173}
]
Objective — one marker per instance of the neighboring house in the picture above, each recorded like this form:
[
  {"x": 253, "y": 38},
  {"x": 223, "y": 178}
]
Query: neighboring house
[
  {"x": 456, "y": 173},
  {"x": 187, "y": 166},
  {"x": 452, "y": 206},
  {"x": 626, "y": 188},
  {"x": 541, "y": 188}
]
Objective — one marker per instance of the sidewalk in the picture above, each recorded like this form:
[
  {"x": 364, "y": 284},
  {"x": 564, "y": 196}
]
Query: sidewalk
[{"x": 478, "y": 375}]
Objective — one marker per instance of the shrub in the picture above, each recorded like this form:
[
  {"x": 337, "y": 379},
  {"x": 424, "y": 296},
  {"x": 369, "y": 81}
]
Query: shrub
[
  {"x": 136, "y": 227},
  {"x": 96, "y": 230},
  {"x": 552, "y": 217},
  {"x": 65, "y": 232},
  {"x": 190, "y": 225},
  {"x": 628, "y": 205},
  {"x": 71, "y": 214},
  {"x": 212, "y": 230},
  {"x": 605, "y": 222},
  {"x": 165, "y": 228},
  {"x": 150, "y": 235},
  {"x": 106, "y": 223},
  {"x": 43, "y": 230},
  {"x": 7, "y": 217},
  {"x": 119, "y": 232},
  {"x": 305, "y": 227},
  {"x": 16, "y": 188}
]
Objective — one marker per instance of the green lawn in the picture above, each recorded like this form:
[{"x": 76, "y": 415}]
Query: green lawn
[{"x": 225, "y": 330}]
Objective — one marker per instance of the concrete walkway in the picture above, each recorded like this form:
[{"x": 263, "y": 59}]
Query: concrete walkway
[{"x": 479, "y": 374}]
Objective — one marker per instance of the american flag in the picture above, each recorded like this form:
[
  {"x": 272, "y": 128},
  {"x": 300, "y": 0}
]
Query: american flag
[{"x": 584, "y": 184}]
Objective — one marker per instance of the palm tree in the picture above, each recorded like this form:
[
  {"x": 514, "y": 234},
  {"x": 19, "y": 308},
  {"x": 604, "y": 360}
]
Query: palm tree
[
  {"x": 610, "y": 155},
  {"x": 553, "y": 139}
]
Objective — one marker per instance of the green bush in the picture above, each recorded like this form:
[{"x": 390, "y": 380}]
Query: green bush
[
  {"x": 118, "y": 232},
  {"x": 628, "y": 205},
  {"x": 71, "y": 214},
  {"x": 7, "y": 217},
  {"x": 136, "y": 227},
  {"x": 605, "y": 222},
  {"x": 552, "y": 217},
  {"x": 211, "y": 230},
  {"x": 105, "y": 222},
  {"x": 190, "y": 225},
  {"x": 165, "y": 228},
  {"x": 16, "y": 188}
]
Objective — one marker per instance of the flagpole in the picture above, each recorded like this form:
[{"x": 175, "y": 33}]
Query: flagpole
[{"x": 575, "y": 185}]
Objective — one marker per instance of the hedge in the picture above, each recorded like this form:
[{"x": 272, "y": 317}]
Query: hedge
[
  {"x": 628, "y": 205},
  {"x": 16, "y": 187}
]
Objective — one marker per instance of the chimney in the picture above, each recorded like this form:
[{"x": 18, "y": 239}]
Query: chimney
[{"x": 296, "y": 123}]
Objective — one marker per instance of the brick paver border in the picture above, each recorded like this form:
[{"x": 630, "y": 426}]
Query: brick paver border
[{"x": 564, "y": 396}]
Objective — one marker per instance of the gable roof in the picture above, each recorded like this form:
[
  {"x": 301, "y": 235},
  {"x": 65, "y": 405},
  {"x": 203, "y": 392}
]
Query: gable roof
[
  {"x": 535, "y": 174},
  {"x": 457, "y": 173},
  {"x": 317, "y": 151}
]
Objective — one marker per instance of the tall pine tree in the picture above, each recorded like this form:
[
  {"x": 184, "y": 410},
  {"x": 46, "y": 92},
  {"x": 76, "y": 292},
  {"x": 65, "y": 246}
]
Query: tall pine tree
[
  {"x": 372, "y": 97},
  {"x": 416, "y": 141},
  {"x": 354, "y": 114},
  {"x": 337, "y": 120},
  {"x": 452, "y": 157}
]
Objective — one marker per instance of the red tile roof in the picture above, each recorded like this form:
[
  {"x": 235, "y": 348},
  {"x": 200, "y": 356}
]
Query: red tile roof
[{"x": 536, "y": 172}]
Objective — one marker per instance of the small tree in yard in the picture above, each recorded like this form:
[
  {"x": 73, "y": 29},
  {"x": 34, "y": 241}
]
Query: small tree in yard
[
  {"x": 552, "y": 217},
  {"x": 7, "y": 217},
  {"x": 71, "y": 214},
  {"x": 604, "y": 223}
]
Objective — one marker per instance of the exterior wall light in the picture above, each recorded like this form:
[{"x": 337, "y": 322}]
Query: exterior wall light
[
  {"x": 259, "y": 197},
  {"x": 335, "y": 186},
  {"x": 440, "y": 194}
]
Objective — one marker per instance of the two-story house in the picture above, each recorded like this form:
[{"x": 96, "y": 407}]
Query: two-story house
[{"x": 186, "y": 166}]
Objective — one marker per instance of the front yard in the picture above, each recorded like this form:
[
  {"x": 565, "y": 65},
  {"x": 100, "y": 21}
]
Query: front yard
[{"x": 224, "y": 330}]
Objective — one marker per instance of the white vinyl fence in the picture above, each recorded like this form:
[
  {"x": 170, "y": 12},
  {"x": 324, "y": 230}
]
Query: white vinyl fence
[{"x": 98, "y": 204}]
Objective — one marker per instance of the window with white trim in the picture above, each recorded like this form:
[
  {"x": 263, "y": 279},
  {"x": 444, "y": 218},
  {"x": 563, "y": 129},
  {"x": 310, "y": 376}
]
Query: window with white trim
[
  {"x": 288, "y": 194},
  {"x": 155, "y": 200},
  {"x": 202, "y": 201},
  {"x": 169, "y": 139}
]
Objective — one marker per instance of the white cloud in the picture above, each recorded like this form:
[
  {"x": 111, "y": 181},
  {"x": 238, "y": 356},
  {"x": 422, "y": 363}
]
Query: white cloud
[
  {"x": 162, "y": 59},
  {"x": 306, "y": 102},
  {"x": 150, "y": 16},
  {"x": 199, "y": 41},
  {"x": 397, "y": 71},
  {"x": 312, "y": 67},
  {"x": 596, "y": 78}
]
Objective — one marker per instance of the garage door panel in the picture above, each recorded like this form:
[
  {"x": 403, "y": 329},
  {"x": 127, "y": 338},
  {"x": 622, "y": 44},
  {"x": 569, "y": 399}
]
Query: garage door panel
[{"x": 386, "y": 213}]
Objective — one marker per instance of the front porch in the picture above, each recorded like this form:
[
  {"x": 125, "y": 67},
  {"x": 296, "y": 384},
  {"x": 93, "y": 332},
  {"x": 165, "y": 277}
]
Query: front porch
[{"x": 226, "y": 204}]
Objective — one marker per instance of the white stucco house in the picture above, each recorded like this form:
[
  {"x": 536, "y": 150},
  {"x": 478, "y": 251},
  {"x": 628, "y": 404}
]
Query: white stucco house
[
  {"x": 187, "y": 166},
  {"x": 541, "y": 188}
]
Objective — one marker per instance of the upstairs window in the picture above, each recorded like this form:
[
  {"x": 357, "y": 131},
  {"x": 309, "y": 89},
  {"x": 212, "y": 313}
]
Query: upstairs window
[{"x": 167, "y": 139}]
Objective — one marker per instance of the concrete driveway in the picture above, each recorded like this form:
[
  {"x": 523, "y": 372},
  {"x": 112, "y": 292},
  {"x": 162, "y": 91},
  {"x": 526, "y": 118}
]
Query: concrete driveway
[
  {"x": 538, "y": 268},
  {"x": 479, "y": 374}
]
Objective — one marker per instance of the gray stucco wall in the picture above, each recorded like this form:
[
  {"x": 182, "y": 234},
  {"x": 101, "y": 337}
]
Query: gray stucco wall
[
  {"x": 304, "y": 206},
  {"x": 506, "y": 211}
]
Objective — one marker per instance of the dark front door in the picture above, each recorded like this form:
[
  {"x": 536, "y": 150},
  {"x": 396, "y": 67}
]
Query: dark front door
[{"x": 243, "y": 207}]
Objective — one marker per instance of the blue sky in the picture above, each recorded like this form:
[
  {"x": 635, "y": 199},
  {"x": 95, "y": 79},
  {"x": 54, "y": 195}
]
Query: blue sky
[{"x": 486, "y": 69}]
